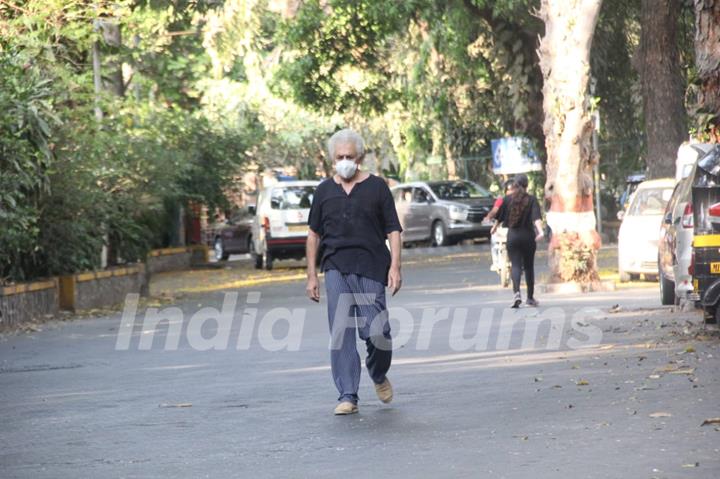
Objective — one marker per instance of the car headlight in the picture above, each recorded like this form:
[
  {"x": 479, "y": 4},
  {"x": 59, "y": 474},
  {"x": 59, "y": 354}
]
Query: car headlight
[{"x": 458, "y": 212}]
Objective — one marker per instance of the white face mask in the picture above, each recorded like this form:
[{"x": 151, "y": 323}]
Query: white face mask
[{"x": 346, "y": 168}]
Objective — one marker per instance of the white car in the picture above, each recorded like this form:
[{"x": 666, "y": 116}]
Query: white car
[
  {"x": 280, "y": 229},
  {"x": 640, "y": 229}
]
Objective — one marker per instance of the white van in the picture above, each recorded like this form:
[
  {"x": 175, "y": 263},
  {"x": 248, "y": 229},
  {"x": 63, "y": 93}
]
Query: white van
[{"x": 280, "y": 230}]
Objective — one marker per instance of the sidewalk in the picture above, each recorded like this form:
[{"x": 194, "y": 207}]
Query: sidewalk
[{"x": 240, "y": 272}]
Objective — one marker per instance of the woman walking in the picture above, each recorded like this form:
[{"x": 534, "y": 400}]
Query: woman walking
[{"x": 520, "y": 213}]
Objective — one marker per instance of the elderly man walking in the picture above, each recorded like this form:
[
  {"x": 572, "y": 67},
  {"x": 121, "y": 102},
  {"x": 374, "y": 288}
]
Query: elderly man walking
[{"x": 351, "y": 217}]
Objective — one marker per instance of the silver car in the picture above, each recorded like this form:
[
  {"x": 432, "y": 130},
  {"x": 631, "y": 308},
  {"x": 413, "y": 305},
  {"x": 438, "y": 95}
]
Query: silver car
[
  {"x": 442, "y": 211},
  {"x": 677, "y": 232}
]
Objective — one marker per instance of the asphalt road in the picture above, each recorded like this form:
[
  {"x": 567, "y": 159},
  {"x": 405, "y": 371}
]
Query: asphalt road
[{"x": 626, "y": 400}]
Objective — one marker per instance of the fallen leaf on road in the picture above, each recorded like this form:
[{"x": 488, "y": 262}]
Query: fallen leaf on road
[
  {"x": 582, "y": 382},
  {"x": 661, "y": 414},
  {"x": 689, "y": 349},
  {"x": 182, "y": 404},
  {"x": 712, "y": 420},
  {"x": 615, "y": 309}
]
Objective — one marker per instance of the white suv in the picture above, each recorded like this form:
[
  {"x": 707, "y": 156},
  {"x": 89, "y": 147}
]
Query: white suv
[{"x": 280, "y": 229}]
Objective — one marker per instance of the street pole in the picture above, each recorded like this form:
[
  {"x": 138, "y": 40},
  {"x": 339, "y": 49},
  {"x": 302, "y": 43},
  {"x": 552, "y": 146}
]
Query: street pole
[
  {"x": 97, "y": 74},
  {"x": 97, "y": 80}
]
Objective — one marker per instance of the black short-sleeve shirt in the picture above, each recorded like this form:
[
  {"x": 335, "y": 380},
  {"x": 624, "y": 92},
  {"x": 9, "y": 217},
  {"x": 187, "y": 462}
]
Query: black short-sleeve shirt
[
  {"x": 353, "y": 228},
  {"x": 527, "y": 220}
]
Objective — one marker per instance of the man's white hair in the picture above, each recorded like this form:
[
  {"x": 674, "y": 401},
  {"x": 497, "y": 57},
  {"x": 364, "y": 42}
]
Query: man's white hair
[{"x": 346, "y": 136}]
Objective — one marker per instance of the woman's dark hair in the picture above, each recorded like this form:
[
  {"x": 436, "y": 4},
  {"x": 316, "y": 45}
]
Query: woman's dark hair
[{"x": 519, "y": 200}]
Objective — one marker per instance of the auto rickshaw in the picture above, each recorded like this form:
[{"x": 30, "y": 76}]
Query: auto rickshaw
[{"x": 705, "y": 264}]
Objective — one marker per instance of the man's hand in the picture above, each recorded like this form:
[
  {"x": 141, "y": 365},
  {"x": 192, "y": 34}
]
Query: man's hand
[
  {"x": 394, "y": 280},
  {"x": 313, "y": 288},
  {"x": 494, "y": 228},
  {"x": 394, "y": 276}
]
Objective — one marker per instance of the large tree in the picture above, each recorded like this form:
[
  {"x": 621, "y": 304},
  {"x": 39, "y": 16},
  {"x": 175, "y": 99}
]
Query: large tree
[
  {"x": 662, "y": 84},
  {"x": 456, "y": 74},
  {"x": 707, "y": 60},
  {"x": 565, "y": 62}
]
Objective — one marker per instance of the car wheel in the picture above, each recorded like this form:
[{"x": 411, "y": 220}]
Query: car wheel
[
  {"x": 439, "y": 236},
  {"x": 711, "y": 314},
  {"x": 267, "y": 259},
  {"x": 257, "y": 259},
  {"x": 219, "y": 248},
  {"x": 715, "y": 317},
  {"x": 667, "y": 290},
  {"x": 624, "y": 277}
]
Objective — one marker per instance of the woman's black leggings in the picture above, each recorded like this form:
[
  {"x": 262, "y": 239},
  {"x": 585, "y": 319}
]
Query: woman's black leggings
[{"x": 521, "y": 249}]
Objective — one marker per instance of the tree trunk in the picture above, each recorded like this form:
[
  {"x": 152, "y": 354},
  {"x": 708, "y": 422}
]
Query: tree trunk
[
  {"x": 112, "y": 34},
  {"x": 565, "y": 62},
  {"x": 707, "y": 60},
  {"x": 662, "y": 85}
]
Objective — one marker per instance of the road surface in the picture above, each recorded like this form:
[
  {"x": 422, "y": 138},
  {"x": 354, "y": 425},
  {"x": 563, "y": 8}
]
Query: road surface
[{"x": 629, "y": 403}]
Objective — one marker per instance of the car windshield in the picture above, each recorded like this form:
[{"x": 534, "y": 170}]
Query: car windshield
[
  {"x": 456, "y": 190},
  {"x": 650, "y": 201},
  {"x": 292, "y": 197}
]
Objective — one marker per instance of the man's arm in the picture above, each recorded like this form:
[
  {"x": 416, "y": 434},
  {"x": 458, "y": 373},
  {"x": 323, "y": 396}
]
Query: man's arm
[
  {"x": 311, "y": 250},
  {"x": 394, "y": 275}
]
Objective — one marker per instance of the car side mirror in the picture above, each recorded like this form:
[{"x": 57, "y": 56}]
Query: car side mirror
[
  {"x": 621, "y": 215},
  {"x": 668, "y": 218},
  {"x": 251, "y": 210},
  {"x": 275, "y": 204}
]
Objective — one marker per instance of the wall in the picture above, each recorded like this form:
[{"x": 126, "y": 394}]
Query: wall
[{"x": 27, "y": 301}]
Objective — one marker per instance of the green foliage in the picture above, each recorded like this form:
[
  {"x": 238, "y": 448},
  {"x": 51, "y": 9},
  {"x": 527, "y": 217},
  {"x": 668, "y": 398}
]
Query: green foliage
[
  {"x": 69, "y": 183},
  {"x": 337, "y": 61},
  {"x": 26, "y": 124},
  {"x": 450, "y": 75}
]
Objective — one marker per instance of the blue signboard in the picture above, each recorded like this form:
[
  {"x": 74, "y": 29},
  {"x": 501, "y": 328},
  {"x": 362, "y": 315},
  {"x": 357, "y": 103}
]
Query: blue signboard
[{"x": 514, "y": 155}]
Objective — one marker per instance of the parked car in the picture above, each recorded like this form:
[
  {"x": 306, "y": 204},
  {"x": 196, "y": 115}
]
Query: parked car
[
  {"x": 675, "y": 245},
  {"x": 676, "y": 232},
  {"x": 442, "y": 211},
  {"x": 705, "y": 266},
  {"x": 280, "y": 229},
  {"x": 640, "y": 229},
  {"x": 687, "y": 158},
  {"x": 232, "y": 236},
  {"x": 631, "y": 184}
]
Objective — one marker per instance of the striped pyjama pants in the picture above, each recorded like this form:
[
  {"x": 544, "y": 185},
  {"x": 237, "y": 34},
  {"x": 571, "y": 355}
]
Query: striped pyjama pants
[{"x": 356, "y": 306}]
